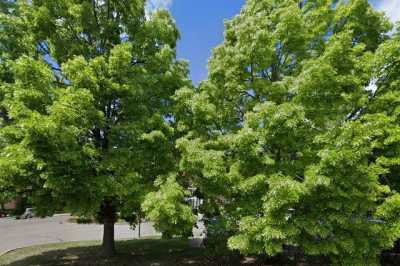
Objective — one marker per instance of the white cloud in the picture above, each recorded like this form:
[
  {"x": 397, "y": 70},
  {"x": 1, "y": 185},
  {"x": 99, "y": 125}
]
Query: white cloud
[
  {"x": 152, "y": 5},
  {"x": 391, "y": 7}
]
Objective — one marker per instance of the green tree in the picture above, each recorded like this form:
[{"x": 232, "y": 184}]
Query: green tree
[
  {"x": 85, "y": 101},
  {"x": 286, "y": 140},
  {"x": 386, "y": 102},
  {"x": 167, "y": 208}
]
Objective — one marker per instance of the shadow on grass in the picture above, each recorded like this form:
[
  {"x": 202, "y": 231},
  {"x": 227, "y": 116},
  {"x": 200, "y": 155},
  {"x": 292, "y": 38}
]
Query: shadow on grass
[
  {"x": 136, "y": 252},
  {"x": 145, "y": 252},
  {"x": 148, "y": 252}
]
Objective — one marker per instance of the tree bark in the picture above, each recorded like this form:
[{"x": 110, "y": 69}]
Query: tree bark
[
  {"x": 109, "y": 216},
  {"x": 397, "y": 246}
]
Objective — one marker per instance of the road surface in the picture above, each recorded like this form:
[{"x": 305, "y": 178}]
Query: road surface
[{"x": 22, "y": 233}]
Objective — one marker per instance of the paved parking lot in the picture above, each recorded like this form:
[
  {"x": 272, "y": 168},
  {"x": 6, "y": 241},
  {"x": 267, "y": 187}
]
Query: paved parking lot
[{"x": 23, "y": 233}]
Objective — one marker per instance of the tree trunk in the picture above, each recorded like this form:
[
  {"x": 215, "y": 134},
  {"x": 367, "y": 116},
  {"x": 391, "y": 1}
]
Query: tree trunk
[
  {"x": 109, "y": 215},
  {"x": 397, "y": 246}
]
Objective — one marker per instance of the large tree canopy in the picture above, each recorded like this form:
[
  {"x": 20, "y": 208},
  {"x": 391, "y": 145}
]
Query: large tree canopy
[
  {"x": 294, "y": 138},
  {"x": 85, "y": 104}
]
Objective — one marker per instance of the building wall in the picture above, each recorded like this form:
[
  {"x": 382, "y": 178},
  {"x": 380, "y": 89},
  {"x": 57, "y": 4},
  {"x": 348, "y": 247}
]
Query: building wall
[{"x": 11, "y": 205}]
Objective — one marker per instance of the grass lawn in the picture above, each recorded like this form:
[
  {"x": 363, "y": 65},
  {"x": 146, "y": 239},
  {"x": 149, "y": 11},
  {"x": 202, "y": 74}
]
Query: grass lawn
[
  {"x": 144, "y": 252},
  {"x": 152, "y": 252}
]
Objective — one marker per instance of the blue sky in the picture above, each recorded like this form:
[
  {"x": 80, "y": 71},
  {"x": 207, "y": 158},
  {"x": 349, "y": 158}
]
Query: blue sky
[{"x": 201, "y": 23}]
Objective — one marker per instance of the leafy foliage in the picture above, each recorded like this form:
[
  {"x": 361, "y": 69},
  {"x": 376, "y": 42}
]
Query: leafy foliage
[
  {"x": 168, "y": 209},
  {"x": 292, "y": 140},
  {"x": 86, "y": 87}
]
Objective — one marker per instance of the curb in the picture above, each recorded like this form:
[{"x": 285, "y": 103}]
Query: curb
[{"x": 8, "y": 251}]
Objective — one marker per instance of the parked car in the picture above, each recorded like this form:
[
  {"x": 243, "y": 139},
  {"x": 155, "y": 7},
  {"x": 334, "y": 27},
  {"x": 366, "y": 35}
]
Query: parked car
[
  {"x": 27, "y": 214},
  {"x": 3, "y": 213}
]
